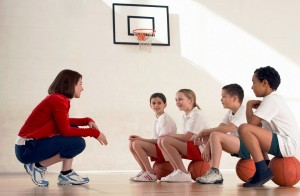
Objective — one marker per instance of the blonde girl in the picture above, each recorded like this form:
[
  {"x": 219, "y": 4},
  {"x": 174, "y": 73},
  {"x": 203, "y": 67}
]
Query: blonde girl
[{"x": 176, "y": 146}]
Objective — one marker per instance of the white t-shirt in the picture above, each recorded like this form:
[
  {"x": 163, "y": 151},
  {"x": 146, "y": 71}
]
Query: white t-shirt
[
  {"x": 194, "y": 122},
  {"x": 278, "y": 118},
  {"x": 163, "y": 125},
  {"x": 237, "y": 119}
]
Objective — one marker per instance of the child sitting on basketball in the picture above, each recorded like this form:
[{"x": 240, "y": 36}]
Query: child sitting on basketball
[
  {"x": 279, "y": 134},
  {"x": 219, "y": 139},
  {"x": 141, "y": 148},
  {"x": 177, "y": 146}
]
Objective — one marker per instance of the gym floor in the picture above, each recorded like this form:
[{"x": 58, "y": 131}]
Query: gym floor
[{"x": 112, "y": 183}]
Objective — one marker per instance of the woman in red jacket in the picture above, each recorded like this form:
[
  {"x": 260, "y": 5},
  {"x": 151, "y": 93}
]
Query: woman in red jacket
[{"x": 49, "y": 136}]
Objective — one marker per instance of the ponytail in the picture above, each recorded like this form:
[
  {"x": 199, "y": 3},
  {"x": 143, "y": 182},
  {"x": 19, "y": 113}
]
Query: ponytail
[{"x": 191, "y": 95}]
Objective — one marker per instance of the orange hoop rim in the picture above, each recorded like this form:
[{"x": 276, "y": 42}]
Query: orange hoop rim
[{"x": 143, "y": 34}]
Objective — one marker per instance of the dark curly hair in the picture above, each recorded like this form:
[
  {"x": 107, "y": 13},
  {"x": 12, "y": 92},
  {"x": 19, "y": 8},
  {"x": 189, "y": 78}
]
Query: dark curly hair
[{"x": 270, "y": 74}]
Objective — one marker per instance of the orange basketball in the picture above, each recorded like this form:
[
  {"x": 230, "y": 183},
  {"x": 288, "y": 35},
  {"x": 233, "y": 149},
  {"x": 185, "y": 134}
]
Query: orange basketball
[
  {"x": 245, "y": 169},
  {"x": 198, "y": 168},
  {"x": 162, "y": 169},
  {"x": 286, "y": 171}
]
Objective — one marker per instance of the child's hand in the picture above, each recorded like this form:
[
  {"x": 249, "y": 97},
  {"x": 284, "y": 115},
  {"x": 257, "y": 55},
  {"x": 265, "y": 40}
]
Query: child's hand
[
  {"x": 199, "y": 139},
  {"x": 206, "y": 153},
  {"x": 102, "y": 139},
  {"x": 134, "y": 137},
  {"x": 254, "y": 103}
]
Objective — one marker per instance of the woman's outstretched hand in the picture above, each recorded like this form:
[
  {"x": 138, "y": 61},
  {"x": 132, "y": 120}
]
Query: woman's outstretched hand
[{"x": 102, "y": 139}]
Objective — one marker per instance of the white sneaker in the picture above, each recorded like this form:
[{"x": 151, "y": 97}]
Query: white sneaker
[
  {"x": 146, "y": 177},
  {"x": 211, "y": 177},
  {"x": 139, "y": 174},
  {"x": 37, "y": 174},
  {"x": 163, "y": 179},
  {"x": 72, "y": 179},
  {"x": 179, "y": 176}
]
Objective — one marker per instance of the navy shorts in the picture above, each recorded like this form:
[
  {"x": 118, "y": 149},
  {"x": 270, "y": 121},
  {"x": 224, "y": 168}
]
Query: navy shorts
[
  {"x": 274, "y": 149},
  {"x": 38, "y": 150}
]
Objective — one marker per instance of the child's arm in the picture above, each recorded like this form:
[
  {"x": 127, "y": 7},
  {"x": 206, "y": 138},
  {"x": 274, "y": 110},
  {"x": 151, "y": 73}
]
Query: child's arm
[
  {"x": 183, "y": 137},
  {"x": 251, "y": 118},
  {"x": 223, "y": 128},
  {"x": 206, "y": 154},
  {"x": 153, "y": 141},
  {"x": 135, "y": 137}
]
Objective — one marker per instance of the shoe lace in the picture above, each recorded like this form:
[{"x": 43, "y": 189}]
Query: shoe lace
[
  {"x": 175, "y": 172},
  {"x": 209, "y": 173},
  {"x": 139, "y": 174},
  {"x": 42, "y": 172},
  {"x": 73, "y": 173},
  {"x": 178, "y": 171}
]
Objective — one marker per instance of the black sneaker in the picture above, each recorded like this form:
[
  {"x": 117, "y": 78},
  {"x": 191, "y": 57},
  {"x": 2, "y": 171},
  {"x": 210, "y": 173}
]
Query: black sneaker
[{"x": 259, "y": 179}]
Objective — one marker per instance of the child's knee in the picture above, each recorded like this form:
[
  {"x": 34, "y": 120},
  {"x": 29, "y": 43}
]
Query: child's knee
[
  {"x": 159, "y": 142},
  {"x": 130, "y": 145},
  {"x": 164, "y": 141},
  {"x": 215, "y": 134},
  {"x": 136, "y": 144},
  {"x": 242, "y": 129}
]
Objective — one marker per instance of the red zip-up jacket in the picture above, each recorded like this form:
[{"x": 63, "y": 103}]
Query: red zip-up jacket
[{"x": 50, "y": 118}]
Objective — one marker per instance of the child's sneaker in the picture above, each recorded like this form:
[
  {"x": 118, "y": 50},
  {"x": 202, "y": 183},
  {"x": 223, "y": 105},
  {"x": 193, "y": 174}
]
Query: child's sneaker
[
  {"x": 259, "y": 179},
  {"x": 163, "y": 179},
  {"x": 146, "y": 177},
  {"x": 211, "y": 177},
  {"x": 72, "y": 178},
  {"x": 37, "y": 174},
  {"x": 179, "y": 176},
  {"x": 139, "y": 174}
]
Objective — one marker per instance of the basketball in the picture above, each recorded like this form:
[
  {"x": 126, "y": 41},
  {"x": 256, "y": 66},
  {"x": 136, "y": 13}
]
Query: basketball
[
  {"x": 245, "y": 169},
  {"x": 162, "y": 169},
  {"x": 198, "y": 168},
  {"x": 286, "y": 171}
]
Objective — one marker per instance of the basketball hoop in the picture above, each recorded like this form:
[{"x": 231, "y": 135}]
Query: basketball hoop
[{"x": 144, "y": 37}]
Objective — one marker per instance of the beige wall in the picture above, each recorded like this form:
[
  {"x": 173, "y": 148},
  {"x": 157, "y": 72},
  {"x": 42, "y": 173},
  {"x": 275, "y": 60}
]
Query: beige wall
[{"x": 213, "y": 43}]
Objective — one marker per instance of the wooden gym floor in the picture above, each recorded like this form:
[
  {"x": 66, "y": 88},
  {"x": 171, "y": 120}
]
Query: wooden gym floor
[{"x": 111, "y": 183}]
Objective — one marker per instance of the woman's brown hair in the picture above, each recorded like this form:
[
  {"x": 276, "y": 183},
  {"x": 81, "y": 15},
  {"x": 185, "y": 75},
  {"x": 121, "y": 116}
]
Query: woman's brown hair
[{"x": 65, "y": 83}]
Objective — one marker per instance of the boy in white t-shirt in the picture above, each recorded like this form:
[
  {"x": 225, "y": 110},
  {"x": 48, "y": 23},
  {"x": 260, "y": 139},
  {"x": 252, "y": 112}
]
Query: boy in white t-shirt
[
  {"x": 219, "y": 139},
  {"x": 271, "y": 129}
]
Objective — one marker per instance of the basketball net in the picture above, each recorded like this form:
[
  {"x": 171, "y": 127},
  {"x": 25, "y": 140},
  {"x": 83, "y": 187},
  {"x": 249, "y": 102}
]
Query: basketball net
[{"x": 144, "y": 37}]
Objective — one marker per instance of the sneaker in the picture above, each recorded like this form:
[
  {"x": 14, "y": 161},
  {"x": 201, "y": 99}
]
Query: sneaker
[
  {"x": 211, "y": 177},
  {"x": 146, "y": 177},
  {"x": 259, "y": 179},
  {"x": 179, "y": 176},
  {"x": 72, "y": 178},
  {"x": 163, "y": 179},
  {"x": 132, "y": 178},
  {"x": 37, "y": 174}
]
